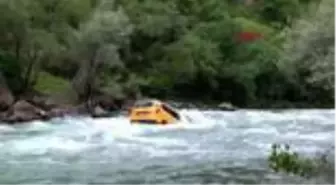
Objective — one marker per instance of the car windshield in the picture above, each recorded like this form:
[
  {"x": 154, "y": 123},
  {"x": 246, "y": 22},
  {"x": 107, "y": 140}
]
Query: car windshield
[{"x": 171, "y": 110}]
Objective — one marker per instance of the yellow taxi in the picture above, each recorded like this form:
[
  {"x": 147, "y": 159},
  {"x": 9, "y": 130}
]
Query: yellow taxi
[{"x": 152, "y": 112}]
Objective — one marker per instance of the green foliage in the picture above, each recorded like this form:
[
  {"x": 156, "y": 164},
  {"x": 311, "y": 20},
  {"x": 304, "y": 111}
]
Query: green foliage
[
  {"x": 309, "y": 49},
  {"x": 172, "y": 48},
  {"x": 96, "y": 47},
  {"x": 283, "y": 159},
  {"x": 49, "y": 84},
  {"x": 9, "y": 68},
  {"x": 280, "y": 13},
  {"x": 254, "y": 26}
]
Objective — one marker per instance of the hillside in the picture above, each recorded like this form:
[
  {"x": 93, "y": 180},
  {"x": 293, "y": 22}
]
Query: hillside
[{"x": 259, "y": 54}]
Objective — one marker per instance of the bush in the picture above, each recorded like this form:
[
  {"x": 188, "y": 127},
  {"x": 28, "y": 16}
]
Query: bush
[{"x": 282, "y": 159}]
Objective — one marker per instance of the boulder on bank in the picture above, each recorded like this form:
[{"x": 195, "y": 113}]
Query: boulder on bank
[
  {"x": 107, "y": 102},
  {"x": 44, "y": 102},
  {"x": 35, "y": 106},
  {"x": 22, "y": 111}
]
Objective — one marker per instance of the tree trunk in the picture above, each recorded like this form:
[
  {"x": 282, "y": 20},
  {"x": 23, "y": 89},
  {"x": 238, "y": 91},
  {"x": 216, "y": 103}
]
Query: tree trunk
[{"x": 90, "y": 81}]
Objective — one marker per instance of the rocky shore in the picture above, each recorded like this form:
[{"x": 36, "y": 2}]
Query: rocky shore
[{"x": 41, "y": 107}]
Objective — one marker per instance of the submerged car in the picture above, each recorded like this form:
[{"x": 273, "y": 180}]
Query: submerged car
[{"x": 153, "y": 112}]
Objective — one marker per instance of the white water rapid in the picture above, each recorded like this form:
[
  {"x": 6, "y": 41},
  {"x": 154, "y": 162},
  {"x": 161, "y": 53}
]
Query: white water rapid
[{"x": 216, "y": 147}]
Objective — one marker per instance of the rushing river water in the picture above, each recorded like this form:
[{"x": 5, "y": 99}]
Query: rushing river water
[{"x": 218, "y": 147}]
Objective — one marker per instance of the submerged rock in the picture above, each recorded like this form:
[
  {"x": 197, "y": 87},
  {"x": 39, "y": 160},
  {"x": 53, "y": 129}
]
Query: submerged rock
[
  {"x": 226, "y": 106},
  {"x": 99, "y": 112}
]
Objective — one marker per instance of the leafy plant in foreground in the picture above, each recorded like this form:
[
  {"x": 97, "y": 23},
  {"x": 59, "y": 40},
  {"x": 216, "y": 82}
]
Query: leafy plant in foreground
[{"x": 286, "y": 160}]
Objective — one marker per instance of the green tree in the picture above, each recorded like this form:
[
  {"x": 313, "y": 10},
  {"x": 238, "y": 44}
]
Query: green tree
[
  {"x": 96, "y": 47},
  {"x": 280, "y": 13},
  {"x": 309, "y": 48}
]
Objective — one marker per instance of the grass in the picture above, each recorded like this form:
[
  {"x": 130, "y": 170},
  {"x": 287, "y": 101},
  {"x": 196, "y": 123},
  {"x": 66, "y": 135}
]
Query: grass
[{"x": 50, "y": 84}]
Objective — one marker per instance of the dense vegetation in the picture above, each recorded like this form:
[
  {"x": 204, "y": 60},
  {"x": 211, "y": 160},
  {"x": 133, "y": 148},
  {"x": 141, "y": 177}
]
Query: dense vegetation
[
  {"x": 261, "y": 54},
  {"x": 284, "y": 159}
]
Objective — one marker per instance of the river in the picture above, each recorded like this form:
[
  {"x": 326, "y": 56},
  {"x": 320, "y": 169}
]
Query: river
[{"x": 217, "y": 147}]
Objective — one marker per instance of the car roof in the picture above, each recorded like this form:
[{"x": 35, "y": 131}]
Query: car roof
[{"x": 146, "y": 101}]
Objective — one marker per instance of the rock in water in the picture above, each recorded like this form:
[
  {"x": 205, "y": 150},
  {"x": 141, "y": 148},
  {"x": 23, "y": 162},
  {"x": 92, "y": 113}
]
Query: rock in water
[
  {"x": 99, "y": 112},
  {"x": 226, "y": 106}
]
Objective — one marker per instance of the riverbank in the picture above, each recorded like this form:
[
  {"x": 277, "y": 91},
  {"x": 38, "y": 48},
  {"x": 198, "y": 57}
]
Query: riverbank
[
  {"x": 39, "y": 107},
  {"x": 25, "y": 111}
]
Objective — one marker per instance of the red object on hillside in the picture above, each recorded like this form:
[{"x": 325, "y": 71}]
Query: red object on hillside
[{"x": 248, "y": 36}]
